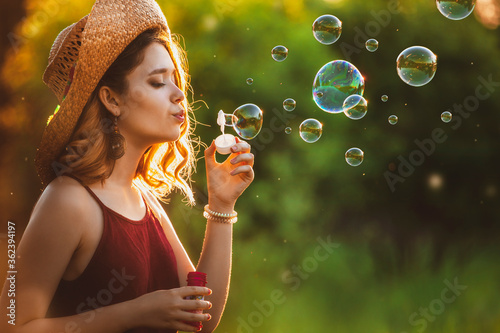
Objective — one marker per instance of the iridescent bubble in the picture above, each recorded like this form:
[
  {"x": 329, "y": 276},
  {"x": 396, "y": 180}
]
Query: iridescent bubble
[
  {"x": 384, "y": 98},
  {"x": 393, "y": 119},
  {"x": 355, "y": 107},
  {"x": 288, "y": 130},
  {"x": 289, "y": 104},
  {"x": 249, "y": 81},
  {"x": 446, "y": 116},
  {"x": 334, "y": 82},
  {"x": 229, "y": 119},
  {"x": 327, "y": 29},
  {"x": 371, "y": 45},
  {"x": 354, "y": 156},
  {"x": 310, "y": 130},
  {"x": 248, "y": 121},
  {"x": 456, "y": 9},
  {"x": 417, "y": 66},
  {"x": 279, "y": 53}
]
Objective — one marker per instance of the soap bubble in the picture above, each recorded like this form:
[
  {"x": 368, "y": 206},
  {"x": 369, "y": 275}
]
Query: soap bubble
[
  {"x": 393, "y": 119},
  {"x": 372, "y": 45},
  {"x": 354, "y": 156},
  {"x": 289, "y": 104},
  {"x": 417, "y": 66},
  {"x": 384, "y": 98},
  {"x": 247, "y": 121},
  {"x": 456, "y": 9},
  {"x": 229, "y": 119},
  {"x": 249, "y": 81},
  {"x": 327, "y": 29},
  {"x": 279, "y": 53},
  {"x": 355, "y": 107},
  {"x": 446, "y": 116},
  {"x": 334, "y": 82},
  {"x": 288, "y": 130},
  {"x": 310, "y": 130}
]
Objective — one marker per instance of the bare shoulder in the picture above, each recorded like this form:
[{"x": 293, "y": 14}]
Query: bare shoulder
[{"x": 64, "y": 202}]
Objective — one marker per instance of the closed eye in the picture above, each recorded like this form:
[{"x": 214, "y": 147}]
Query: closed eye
[{"x": 157, "y": 84}]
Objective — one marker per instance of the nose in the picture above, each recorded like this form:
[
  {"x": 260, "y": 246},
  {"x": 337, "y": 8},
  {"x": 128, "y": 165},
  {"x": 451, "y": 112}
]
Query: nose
[{"x": 177, "y": 95}]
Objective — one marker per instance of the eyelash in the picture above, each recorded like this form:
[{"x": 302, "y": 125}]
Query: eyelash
[{"x": 161, "y": 84}]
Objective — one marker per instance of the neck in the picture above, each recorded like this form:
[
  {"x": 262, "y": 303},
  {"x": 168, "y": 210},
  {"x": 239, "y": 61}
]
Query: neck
[{"x": 125, "y": 167}]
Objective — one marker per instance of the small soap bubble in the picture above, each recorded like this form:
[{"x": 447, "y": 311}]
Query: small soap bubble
[
  {"x": 288, "y": 130},
  {"x": 334, "y": 82},
  {"x": 247, "y": 121},
  {"x": 416, "y": 66},
  {"x": 355, "y": 107},
  {"x": 393, "y": 119},
  {"x": 310, "y": 130},
  {"x": 354, "y": 156},
  {"x": 327, "y": 29},
  {"x": 371, "y": 45},
  {"x": 384, "y": 98},
  {"x": 249, "y": 81},
  {"x": 289, "y": 104},
  {"x": 456, "y": 9},
  {"x": 446, "y": 116},
  {"x": 279, "y": 53}
]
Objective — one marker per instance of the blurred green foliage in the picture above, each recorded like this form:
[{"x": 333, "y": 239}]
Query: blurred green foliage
[{"x": 395, "y": 248}]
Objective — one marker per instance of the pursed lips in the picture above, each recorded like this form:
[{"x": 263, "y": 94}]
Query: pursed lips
[{"x": 179, "y": 115}]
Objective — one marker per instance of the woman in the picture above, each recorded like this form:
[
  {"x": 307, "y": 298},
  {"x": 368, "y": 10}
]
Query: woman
[{"x": 99, "y": 253}]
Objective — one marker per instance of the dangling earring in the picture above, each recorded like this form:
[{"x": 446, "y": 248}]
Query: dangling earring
[{"x": 117, "y": 143}]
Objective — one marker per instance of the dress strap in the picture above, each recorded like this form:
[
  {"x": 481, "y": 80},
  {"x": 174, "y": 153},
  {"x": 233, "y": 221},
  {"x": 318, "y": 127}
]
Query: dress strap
[
  {"x": 107, "y": 209},
  {"x": 88, "y": 190}
]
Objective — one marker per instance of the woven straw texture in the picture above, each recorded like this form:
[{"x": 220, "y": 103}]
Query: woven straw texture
[{"x": 95, "y": 41}]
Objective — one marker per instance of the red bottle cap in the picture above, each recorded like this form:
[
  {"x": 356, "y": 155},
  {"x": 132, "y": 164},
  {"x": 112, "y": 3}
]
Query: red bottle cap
[{"x": 197, "y": 279}]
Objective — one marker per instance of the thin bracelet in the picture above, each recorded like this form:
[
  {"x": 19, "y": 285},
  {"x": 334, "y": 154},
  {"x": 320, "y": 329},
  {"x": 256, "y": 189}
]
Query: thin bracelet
[
  {"x": 217, "y": 214},
  {"x": 227, "y": 220}
]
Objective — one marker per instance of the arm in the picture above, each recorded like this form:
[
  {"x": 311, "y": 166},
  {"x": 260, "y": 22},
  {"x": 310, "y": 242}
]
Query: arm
[
  {"x": 226, "y": 182},
  {"x": 56, "y": 231}
]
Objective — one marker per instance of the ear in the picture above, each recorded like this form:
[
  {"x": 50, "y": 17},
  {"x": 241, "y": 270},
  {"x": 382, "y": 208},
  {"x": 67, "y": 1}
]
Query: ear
[{"x": 110, "y": 99}]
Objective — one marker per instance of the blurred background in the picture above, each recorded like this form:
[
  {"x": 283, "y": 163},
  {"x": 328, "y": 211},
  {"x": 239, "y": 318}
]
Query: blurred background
[{"x": 320, "y": 245}]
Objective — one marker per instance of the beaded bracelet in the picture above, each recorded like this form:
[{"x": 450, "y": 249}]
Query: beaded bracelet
[
  {"x": 217, "y": 214},
  {"x": 220, "y": 217}
]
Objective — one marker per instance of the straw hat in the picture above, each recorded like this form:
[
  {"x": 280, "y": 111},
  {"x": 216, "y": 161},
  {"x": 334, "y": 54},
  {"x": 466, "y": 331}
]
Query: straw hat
[{"x": 79, "y": 57}]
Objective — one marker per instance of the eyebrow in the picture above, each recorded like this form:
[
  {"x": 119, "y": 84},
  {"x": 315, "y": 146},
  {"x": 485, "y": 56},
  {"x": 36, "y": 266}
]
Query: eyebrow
[{"x": 161, "y": 70}]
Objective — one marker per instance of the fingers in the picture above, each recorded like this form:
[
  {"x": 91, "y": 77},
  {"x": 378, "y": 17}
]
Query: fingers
[
  {"x": 192, "y": 290},
  {"x": 196, "y": 304},
  {"x": 241, "y": 146},
  {"x": 246, "y": 158},
  {"x": 243, "y": 169},
  {"x": 210, "y": 156}
]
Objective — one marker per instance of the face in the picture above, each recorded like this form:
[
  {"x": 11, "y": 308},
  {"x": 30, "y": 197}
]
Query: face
[{"x": 150, "y": 110}]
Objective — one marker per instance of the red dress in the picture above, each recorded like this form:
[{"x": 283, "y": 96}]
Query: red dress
[{"x": 133, "y": 258}]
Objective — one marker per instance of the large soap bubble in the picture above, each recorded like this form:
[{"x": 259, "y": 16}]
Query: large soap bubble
[
  {"x": 334, "y": 82},
  {"x": 416, "y": 66},
  {"x": 456, "y": 9},
  {"x": 247, "y": 121}
]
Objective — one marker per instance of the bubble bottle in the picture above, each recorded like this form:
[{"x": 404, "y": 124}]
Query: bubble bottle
[
  {"x": 223, "y": 142},
  {"x": 197, "y": 279}
]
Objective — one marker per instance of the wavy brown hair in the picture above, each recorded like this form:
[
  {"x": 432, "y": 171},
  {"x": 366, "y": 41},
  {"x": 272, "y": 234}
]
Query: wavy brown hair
[{"x": 163, "y": 167}]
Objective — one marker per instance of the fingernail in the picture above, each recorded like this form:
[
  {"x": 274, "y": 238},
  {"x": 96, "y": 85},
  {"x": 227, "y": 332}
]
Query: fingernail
[
  {"x": 209, "y": 316},
  {"x": 233, "y": 160},
  {"x": 234, "y": 149},
  {"x": 209, "y": 305},
  {"x": 210, "y": 291}
]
